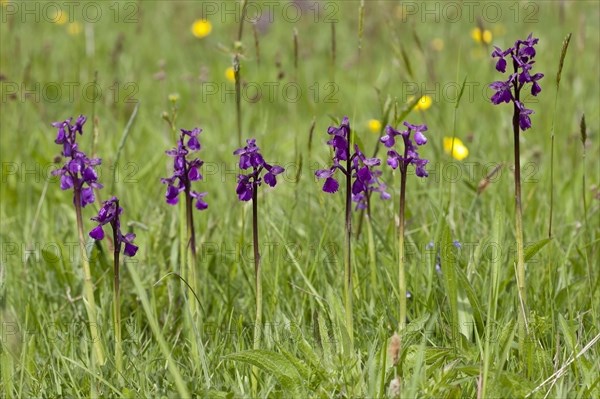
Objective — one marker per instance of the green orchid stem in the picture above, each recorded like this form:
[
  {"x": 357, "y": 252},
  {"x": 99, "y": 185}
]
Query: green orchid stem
[
  {"x": 257, "y": 275},
  {"x": 117, "y": 303},
  {"x": 401, "y": 275},
  {"x": 348, "y": 256},
  {"x": 88, "y": 287},
  {"x": 191, "y": 234},
  {"x": 519, "y": 231}
]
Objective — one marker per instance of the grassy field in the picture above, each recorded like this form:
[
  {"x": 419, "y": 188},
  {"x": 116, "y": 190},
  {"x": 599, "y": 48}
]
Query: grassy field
[{"x": 303, "y": 65}]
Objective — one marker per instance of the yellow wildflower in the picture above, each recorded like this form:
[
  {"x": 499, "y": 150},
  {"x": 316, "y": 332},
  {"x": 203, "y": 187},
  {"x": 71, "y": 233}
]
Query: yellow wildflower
[
  {"x": 481, "y": 36},
  {"x": 423, "y": 104},
  {"x": 230, "y": 74},
  {"x": 201, "y": 28},
  {"x": 459, "y": 151},
  {"x": 374, "y": 125}
]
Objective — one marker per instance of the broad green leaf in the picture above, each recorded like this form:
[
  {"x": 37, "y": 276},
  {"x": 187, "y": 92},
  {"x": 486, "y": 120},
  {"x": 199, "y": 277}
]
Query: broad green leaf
[
  {"x": 476, "y": 312},
  {"x": 274, "y": 363}
]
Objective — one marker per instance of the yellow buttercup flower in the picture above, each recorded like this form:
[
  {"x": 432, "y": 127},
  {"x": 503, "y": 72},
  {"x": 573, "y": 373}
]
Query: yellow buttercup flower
[
  {"x": 230, "y": 74},
  {"x": 481, "y": 36},
  {"x": 74, "y": 28},
  {"x": 374, "y": 125},
  {"x": 459, "y": 152},
  {"x": 201, "y": 28},
  {"x": 173, "y": 97},
  {"x": 487, "y": 36},
  {"x": 423, "y": 104}
]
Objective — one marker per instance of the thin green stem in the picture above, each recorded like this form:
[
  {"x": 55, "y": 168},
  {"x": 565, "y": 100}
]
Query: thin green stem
[
  {"x": 88, "y": 287},
  {"x": 401, "y": 274},
  {"x": 257, "y": 274},
  {"x": 238, "y": 96},
  {"x": 348, "y": 255},
  {"x": 191, "y": 234},
  {"x": 257, "y": 284},
  {"x": 117, "y": 301},
  {"x": 519, "y": 230}
]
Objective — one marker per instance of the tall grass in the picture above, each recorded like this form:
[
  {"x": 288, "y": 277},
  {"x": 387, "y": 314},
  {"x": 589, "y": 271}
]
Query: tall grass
[{"x": 461, "y": 333}]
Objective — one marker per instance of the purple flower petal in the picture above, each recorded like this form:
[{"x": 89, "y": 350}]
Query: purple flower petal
[
  {"x": 420, "y": 138},
  {"x": 256, "y": 160},
  {"x": 194, "y": 144},
  {"x": 172, "y": 195},
  {"x": 501, "y": 65},
  {"x": 324, "y": 173},
  {"x": 331, "y": 185},
  {"x": 393, "y": 159},
  {"x": 66, "y": 182},
  {"x": 97, "y": 233},
  {"x": 357, "y": 187},
  {"x": 193, "y": 174},
  {"x": 372, "y": 161},
  {"x": 130, "y": 249},
  {"x": 89, "y": 175},
  {"x": 87, "y": 196},
  {"x": 535, "y": 89},
  {"x": 276, "y": 170},
  {"x": 244, "y": 190},
  {"x": 270, "y": 179}
]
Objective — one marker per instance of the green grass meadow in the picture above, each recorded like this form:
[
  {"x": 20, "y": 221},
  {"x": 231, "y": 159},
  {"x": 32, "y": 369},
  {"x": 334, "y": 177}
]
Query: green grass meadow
[{"x": 303, "y": 65}]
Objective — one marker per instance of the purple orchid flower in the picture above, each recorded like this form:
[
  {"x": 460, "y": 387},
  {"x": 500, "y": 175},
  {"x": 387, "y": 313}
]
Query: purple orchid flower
[
  {"x": 522, "y": 55},
  {"x": 79, "y": 171},
  {"x": 110, "y": 213},
  {"x": 251, "y": 158}
]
